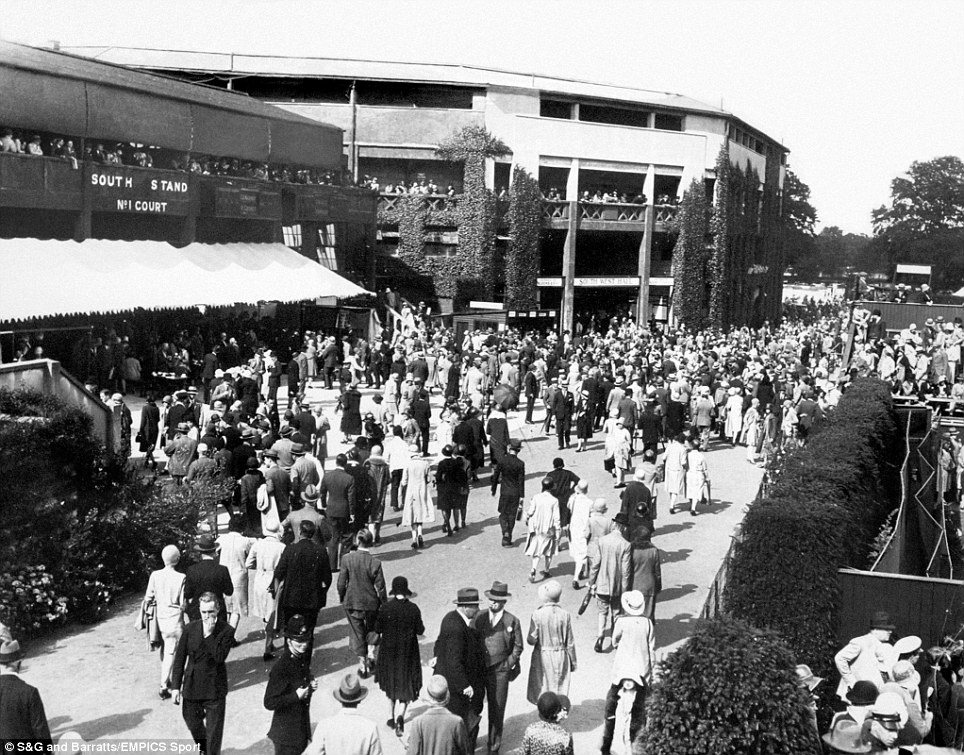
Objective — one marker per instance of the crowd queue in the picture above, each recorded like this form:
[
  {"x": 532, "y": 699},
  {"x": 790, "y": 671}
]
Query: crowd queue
[{"x": 660, "y": 399}]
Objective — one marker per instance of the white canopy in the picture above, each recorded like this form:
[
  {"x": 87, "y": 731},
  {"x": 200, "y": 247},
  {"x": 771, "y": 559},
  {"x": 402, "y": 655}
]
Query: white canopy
[{"x": 44, "y": 278}]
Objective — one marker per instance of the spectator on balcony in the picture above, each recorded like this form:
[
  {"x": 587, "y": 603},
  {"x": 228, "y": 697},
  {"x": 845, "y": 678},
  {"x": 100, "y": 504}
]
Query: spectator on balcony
[
  {"x": 450, "y": 191},
  {"x": 8, "y": 143},
  {"x": 34, "y": 148},
  {"x": 640, "y": 198},
  {"x": 143, "y": 159}
]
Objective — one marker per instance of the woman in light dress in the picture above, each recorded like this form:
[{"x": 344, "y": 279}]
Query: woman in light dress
[
  {"x": 697, "y": 479},
  {"x": 446, "y": 426},
  {"x": 675, "y": 470},
  {"x": 554, "y": 647},
  {"x": 751, "y": 429},
  {"x": 416, "y": 496},
  {"x": 580, "y": 506},
  {"x": 263, "y": 558},
  {"x": 734, "y": 415},
  {"x": 234, "y": 549}
]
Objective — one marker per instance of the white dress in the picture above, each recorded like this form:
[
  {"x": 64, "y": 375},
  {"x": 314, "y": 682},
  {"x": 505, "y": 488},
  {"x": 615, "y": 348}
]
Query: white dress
[
  {"x": 417, "y": 502},
  {"x": 675, "y": 481},
  {"x": 263, "y": 558},
  {"x": 578, "y": 545},
  {"x": 734, "y": 416},
  {"x": 696, "y": 478}
]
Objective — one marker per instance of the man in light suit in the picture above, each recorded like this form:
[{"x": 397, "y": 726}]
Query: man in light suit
[
  {"x": 501, "y": 634},
  {"x": 610, "y": 576},
  {"x": 868, "y": 657},
  {"x": 200, "y": 674}
]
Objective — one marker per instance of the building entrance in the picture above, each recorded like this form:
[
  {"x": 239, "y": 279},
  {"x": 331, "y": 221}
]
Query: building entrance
[{"x": 597, "y": 307}]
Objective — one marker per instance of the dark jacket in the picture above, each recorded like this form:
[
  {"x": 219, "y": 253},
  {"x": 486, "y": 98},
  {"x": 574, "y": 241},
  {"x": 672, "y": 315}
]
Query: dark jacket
[
  {"x": 338, "y": 491},
  {"x": 511, "y": 472},
  {"x": 290, "y": 724},
  {"x": 460, "y": 658},
  {"x": 148, "y": 430},
  {"x": 22, "y": 713},
  {"x": 503, "y": 643},
  {"x": 202, "y": 577},
  {"x": 199, "y": 669},
  {"x": 306, "y": 572},
  {"x": 361, "y": 583}
]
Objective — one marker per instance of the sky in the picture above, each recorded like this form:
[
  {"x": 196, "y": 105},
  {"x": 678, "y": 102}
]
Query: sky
[{"x": 856, "y": 89}]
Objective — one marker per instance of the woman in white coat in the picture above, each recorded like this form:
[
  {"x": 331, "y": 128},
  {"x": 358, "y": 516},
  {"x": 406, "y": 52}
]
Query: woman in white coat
[
  {"x": 416, "y": 496},
  {"x": 580, "y": 507},
  {"x": 675, "y": 470},
  {"x": 697, "y": 479},
  {"x": 734, "y": 415}
]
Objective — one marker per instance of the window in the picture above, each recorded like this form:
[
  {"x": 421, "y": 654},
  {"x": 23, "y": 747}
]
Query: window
[
  {"x": 292, "y": 235},
  {"x": 616, "y": 116},
  {"x": 555, "y": 109},
  {"x": 326, "y": 246},
  {"x": 668, "y": 122}
]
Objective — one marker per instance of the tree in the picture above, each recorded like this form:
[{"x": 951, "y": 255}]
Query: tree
[
  {"x": 924, "y": 222},
  {"x": 525, "y": 227},
  {"x": 799, "y": 217},
  {"x": 690, "y": 258},
  {"x": 730, "y": 690}
]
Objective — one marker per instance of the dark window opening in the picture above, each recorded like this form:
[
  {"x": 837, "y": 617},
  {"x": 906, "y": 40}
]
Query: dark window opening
[
  {"x": 403, "y": 94},
  {"x": 616, "y": 116},
  {"x": 668, "y": 122},
  {"x": 503, "y": 173},
  {"x": 555, "y": 109},
  {"x": 294, "y": 89}
]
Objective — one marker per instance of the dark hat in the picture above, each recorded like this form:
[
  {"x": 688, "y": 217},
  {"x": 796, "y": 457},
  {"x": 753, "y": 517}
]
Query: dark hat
[
  {"x": 286, "y": 431},
  {"x": 862, "y": 693},
  {"x": 467, "y": 596},
  {"x": 515, "y": 444},
  {"x": 297, "y": 629},
  {"x": 183, "y": 427},
  {"x": 350, "y": 691},
  {"x": 180, "y": 394},
  {"x": 297, "y": 449},
  {"x": 10, "y": 652},
  {"x": 251, "y": 463},
  {"x": 310, "y": 494},
  {"x": 622, "y": 519},
  {"x": 400, "y": 587},
  {"x": 881, "y": 620},
  {"x": 206, "y": 544},
  {"x": 499, "y": 591},
  {"x": 270, "y": 454}
]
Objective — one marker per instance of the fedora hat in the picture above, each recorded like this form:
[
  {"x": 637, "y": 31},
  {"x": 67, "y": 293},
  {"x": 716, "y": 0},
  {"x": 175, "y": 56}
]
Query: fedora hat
[
  {"x": 437, "y": 690},
  {"x": 467, "y": 596},
  {"x": 499, "y": 591},
  {"x": 206, "y": 544},
  {"x": 310, "y": 494},
  {"x": 806, "y": 677},
  {"x": 400, "y": 587},
  {"x": 297, "y": 629},
  {"x": 622, "y": 519},
  {"x": 297, "y": 449},
  {"x": 350, "y": 691},
  {"x": 515, "y": 444},
  {"x": 633, "y": 602},
  {"x": 881, "y": 620},
  {"x": 846, "y": 736},
  {"x": 10, "y": 652}
]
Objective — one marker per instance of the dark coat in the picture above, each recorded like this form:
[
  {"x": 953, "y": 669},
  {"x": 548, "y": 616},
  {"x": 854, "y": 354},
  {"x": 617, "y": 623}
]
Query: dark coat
[
  {"x": 460, "y": 658},
  {"x": 503, "y": 644},
  {"x": 306, "y": 572},
  {"x": 338, "y": 490},
  {"x": 199, "y": 669},
  {"x": 202, "y": 577},
  {"x": 422, "y": 410},
  {"x": 399, "y": 666},
  {"x": 637, "y": 505},
  {"x": 450, "y": 480},
  {"x": 361, "y": 582},
  {"x": 149, "y": 427},
  {"x": 511, "y": 472},
  {"x": 351, "y": 423},
  {"x": 290, "y": 724},
  {"x": 22, "y": 713}
]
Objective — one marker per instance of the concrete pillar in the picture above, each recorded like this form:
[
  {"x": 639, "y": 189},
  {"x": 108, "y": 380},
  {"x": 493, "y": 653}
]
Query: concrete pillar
[
  {"x": 567, "y": 316},
  {"x": 572, "y": 185},
  {"x": 643, "y": 267},
  {"x": 82, "y": 225},
  {"x": 649, "y": 185},
  {"x": 309, "y": 240}
]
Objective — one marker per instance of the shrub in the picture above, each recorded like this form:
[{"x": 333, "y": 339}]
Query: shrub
[
  {"x": 29, "y": 601},
  {"x": 823, "y": 509},
  {"x": 730, "y": 689}
]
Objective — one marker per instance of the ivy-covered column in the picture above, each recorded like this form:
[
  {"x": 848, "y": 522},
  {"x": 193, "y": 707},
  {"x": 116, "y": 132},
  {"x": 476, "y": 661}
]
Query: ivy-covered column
[
  {"x": 690, "y": 259},
  {"x": 525, "y": 230}
]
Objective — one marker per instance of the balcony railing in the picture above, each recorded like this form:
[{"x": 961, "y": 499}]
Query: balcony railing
[
  {"x": 666, "y": 213},
  {"x": 611, "y": 211},
  {"x": 555, "y": 209}
]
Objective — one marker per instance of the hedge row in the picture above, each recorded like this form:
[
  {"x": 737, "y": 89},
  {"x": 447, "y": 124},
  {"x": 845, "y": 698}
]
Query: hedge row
[
  {"x": 78, "y": 530},
  {"x": 823, "y": 509}
]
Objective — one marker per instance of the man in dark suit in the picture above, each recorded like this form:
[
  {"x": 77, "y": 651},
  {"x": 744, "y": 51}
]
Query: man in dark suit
[
  {"x": 471, "y": 434},
  {"x": 361, "y": 589},
  {"x": 460, "y": 658},
  {"x": 562, "y": 409},
  {"x": 200, "y": 674},
  {"x": 22, "y": 713},
  {"x": 306, "y": 573},
  {"x": 552, "y": 395},
  {"x": 501, "y": 635},
  {"x": 330, "y": 359},
  {"x": 289, "y": 690},
  {"x": 511, "y": 472},
  {"x": 338, "y": 493},
  {"x": 563, "y": 486},
  {"x": 207, "y": 576},
  {"x": 422, "y": 414},
  {"x": 530, "y": 386}
]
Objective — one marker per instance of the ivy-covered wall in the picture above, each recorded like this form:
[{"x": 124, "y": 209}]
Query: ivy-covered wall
[
  {"x": 690, "y": 258},
  {"x": 525, "y": 229}
]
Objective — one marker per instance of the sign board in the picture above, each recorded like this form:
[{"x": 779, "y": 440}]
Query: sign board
[
  {"x": 247, "y": 202},
  {"x": 555, "y": 282},
  {"x": 485, "y": 305},
  {"x": 607, "y": 281},
  {"x": 143, "y": 191}
]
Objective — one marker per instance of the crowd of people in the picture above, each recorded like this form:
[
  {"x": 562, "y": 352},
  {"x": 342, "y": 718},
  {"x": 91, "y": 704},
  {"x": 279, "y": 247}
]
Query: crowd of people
[{"x": 422, "y": 186}]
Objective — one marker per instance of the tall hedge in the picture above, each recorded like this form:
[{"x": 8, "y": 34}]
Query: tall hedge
[
  {"x": 730, "y": 689},
  {"x": 825, "y": 505},
  {"x": 690, "y": 258}
]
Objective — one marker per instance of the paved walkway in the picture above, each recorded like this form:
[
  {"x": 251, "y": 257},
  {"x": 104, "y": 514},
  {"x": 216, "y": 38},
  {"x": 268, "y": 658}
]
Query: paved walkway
[{"x": 100, "y": 681}]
